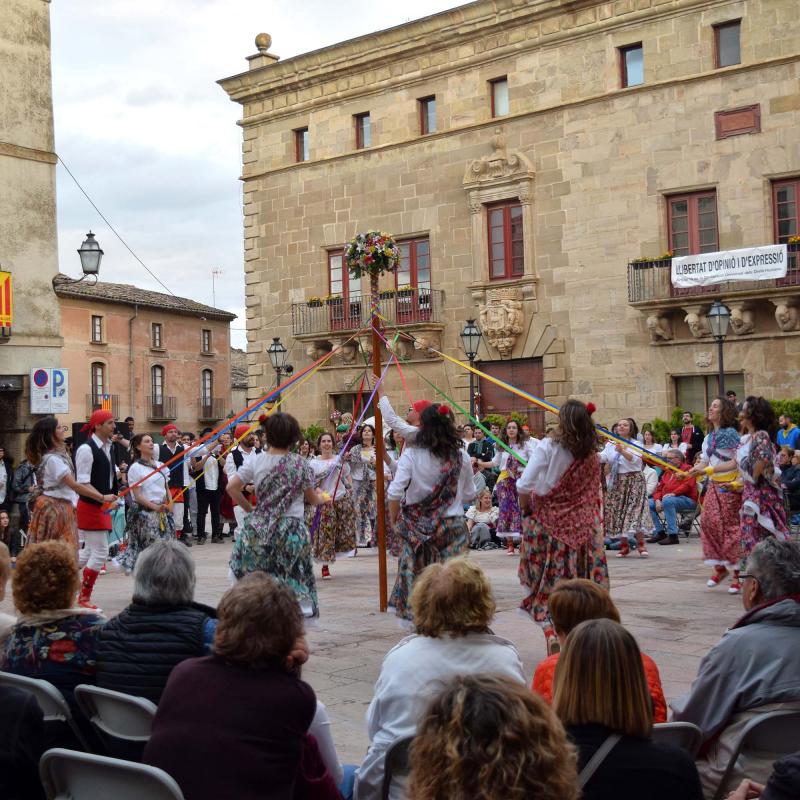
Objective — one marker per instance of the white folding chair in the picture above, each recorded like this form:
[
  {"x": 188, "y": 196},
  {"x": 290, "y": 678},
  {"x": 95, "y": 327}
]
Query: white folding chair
[
  {"x": 54, "y": 707},
  {"x": 771, "y": 735},
  {"x": 69, "y": 775},
  {"x": 682, "y": 734},
  {"x": 122, "y": 721}
]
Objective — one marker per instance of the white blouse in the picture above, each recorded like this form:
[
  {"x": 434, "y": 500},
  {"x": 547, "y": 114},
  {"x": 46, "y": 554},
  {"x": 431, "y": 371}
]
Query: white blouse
[
  {"x": 155, "y": 488},
  {"x": 609, "y": 455},
  {"x": 489, "y": 517},
  {"x": 547, "y": 464},
  {"x": 418, "y": 472},
  {"x": 525, "y": 449},
  {"x": 725, "y": 454},
  {"x": 56, "y": 468},
  {"x": 359, "y": 464},
  {"x": 326, "y": 475}
]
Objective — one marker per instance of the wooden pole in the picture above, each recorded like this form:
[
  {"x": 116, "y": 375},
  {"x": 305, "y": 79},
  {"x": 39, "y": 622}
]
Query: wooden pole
[{"x": 380, "y": 494}]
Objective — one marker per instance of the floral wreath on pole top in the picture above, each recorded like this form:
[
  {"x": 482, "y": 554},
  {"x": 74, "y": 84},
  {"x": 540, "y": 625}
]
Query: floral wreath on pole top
[{"x": 372, "y": 253}]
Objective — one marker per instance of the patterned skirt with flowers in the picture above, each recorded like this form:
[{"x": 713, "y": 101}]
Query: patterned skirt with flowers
[
  {"x": 763, "y": 514},
  {"x": 626, "y": 509},
  {"x": 509, "y": 522},
  {"x": 544, "y": 561},
  {"x": 144, "y": 528},
  {"x": 53, "y": 519},
  {"x": 720, "y": 528},
  {"x": 366, "y": 511},
  {"x": 335, "y": 530}
]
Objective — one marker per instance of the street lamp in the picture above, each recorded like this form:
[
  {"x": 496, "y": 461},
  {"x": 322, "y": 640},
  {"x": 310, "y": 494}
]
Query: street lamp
[
  {"x": 719, "y": 318},
  {"x": 277, "y": 357},
  {"x": 471, "y": 339},
  {"x": 91, "y": 255}
]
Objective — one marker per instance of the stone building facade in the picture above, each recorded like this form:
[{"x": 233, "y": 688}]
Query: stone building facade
[
  {"x": 149, "y": 355},
  {"x": 28, "y": 245},
  {"x": 535, "y": 159}
]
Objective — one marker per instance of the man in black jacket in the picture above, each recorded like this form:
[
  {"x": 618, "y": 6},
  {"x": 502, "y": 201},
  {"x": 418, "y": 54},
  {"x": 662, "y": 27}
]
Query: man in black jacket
[
  {"x": 138, "y": 648},
  {"x": 691, "y": 435}
]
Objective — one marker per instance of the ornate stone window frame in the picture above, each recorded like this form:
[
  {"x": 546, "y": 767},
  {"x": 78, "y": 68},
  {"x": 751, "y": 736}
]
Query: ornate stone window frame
[{"x": 498, "y": 177}]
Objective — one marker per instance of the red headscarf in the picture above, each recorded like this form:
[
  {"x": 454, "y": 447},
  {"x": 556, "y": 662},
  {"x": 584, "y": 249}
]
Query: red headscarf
[
  {"x": 167, "y": 428},
  {"x": 241, "y": 430},
  {"x": 98, "y": 418}
]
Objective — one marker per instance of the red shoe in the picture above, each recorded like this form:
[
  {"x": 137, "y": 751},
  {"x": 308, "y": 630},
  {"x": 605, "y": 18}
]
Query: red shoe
[
  {"x": 736, "y": 586},
  {"x": 510, "y": 546},
  {"x": 85, "y": 596},
  {"x": 720, "y": 573},
  {"x": 326, "y": 573},
  {"x": 624, "y": 548},
  {"x": 553, "y": 645}
]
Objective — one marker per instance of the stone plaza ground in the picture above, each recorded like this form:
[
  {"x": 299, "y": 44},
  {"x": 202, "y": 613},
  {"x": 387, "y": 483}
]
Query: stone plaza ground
[{"x": 663, "y": 600}]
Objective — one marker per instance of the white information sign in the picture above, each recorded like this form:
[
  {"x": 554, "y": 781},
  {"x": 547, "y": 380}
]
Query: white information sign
[
  {"x": 49, "y": 391},
  {"x": 749, "y": 264}
]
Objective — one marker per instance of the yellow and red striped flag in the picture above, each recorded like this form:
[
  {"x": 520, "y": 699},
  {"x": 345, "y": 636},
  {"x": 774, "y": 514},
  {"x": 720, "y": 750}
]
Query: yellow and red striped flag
[{"x": 6, "y": 300}]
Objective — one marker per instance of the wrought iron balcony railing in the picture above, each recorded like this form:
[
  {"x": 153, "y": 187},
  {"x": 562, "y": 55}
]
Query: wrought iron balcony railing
[
  {"x": 160, "y": 407},
  {"x": 110, "y": 402},
  {"x": 398, "y": 307},
  {"x": 650, "y": 281},
  {"x": 211, "y": 409}
]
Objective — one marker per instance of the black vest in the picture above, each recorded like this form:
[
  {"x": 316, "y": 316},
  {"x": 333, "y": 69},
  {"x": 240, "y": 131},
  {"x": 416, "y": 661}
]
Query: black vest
[
  {"x": 176, "y": 469},
  {"x": 102, "y": 477},
  {"x": 238, "y": 456},
  {"x": 138, "y": 648}
]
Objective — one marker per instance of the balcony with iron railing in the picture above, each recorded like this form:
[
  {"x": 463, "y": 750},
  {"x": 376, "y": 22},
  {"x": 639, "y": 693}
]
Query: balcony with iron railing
[
  {"x": 109, "y": 402},
  {"x": 401, "y": 307},
  {"x": 649, "y": 283},
  {"x": 211, "y": 409},
  {"x": 161, "y": 408}
]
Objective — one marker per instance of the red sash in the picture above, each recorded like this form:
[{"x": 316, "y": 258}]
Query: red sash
[{"x": 92, "y": 517}]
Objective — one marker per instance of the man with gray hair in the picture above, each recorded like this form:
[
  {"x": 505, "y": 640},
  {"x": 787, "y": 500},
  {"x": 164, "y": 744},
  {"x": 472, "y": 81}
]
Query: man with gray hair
[
  {"x": 676, "y": 492},
  {"x": 753, "y": 669},
  {"x": 138, "y": 648}
]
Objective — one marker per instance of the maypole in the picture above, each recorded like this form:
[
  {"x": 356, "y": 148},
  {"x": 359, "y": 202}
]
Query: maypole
[{"x": 372, "y": 254}]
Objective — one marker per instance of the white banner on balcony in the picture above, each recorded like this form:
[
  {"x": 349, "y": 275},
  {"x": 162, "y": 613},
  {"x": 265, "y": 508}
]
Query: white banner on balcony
[{"x": 749, "y": 264}]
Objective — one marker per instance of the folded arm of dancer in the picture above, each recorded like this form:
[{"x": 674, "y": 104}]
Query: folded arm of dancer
[
  {"x": 246, "y": 475},
  {"x": 393, "y": 419},
  {"x": 546, "y": 464}
]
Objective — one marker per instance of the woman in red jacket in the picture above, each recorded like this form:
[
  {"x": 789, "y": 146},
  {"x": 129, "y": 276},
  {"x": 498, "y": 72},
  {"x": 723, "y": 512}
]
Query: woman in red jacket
[{"x": 576, "y": 601}]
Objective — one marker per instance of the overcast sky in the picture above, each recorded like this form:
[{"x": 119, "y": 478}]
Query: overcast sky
[{"x": 143, "y": 126}]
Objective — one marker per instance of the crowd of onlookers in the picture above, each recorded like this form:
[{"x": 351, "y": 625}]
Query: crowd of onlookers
[{"x": 235, "y": 718}]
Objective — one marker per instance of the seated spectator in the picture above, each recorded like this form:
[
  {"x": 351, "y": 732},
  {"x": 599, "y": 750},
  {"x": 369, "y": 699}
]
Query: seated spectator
[
  {"x": 650, "y": 479},
  {"x": 481, "y": 519},
  {"x": 137, "y": 650},
  {"x": 22, "y": 742},
  {"x": 453, "y": 606},
  {"x": 485, "y": 738},
  {"x": 673, "y": 494},
  {"x": 789, "y": 462},
  {"x": 7, "y": 621},
  {"x": 600, "y": 691},
  {"x": 754, "y": 668},
  {"x": 575, "y": 601},
  {"x": 53, "y": 639},
  {"x": 234, "y": 724},
  {"x": 783, "y": 783}
]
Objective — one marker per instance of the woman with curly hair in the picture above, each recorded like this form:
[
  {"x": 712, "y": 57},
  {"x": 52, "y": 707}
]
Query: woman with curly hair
[
  {"x": 151, "y": 518},
  {"x": 510, "y": 462},
  {"x": 361, "y": 458},
  {"x": 484, "y": 738},
  {"x": 335, "y": 530},
  {"x": 562, "y": 504},
  {"x": 274, "y": 537},
  {"x": 432, "y": 483},
  {"x": 601, "y": 696},
  {"x": 453, "y": 608},
  {"x": 720, "y": 526},
  {"x": 626, "y": 511},
  {"x": 53, "y": 514},
  {"x": 763, "y": 508},
  {"x": 53, "y": 639}
]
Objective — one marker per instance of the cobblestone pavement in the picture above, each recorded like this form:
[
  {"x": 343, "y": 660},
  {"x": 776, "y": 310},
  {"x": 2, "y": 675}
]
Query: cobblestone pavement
[{"x": 663, "y": 600}]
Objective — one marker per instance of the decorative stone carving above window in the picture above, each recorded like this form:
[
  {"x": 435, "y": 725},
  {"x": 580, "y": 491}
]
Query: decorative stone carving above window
[
  {"x": 500, "y": 175},
  {"x": 660, "y": 327},
  {"x": 501, "y": 319}
]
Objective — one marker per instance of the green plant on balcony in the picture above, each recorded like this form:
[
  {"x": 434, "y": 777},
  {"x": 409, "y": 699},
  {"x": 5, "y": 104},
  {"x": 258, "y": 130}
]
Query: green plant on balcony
[
  {"x": 793, "y": 240},
  {"x": 644, "y": 260},
  {"x": 314, "y": 302},
  {"x": 406, "y": 291},
  {"x": 333, "y": 299},
  {"x": 387, "y": 294}
]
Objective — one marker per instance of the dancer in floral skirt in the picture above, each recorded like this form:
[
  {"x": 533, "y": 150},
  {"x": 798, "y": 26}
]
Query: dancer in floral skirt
[
  {"x": 335, "y": 530},
  {"x": 509, "y": 523},
  {"x": 763, "y": 509},
  {"x": 361, "y": 458},
  {"x": 561, "y": 499},
  {"x": 426, "y": 498},
  {"x": 720, "y": 528},
  {"x": 274, "y": 537},
  {"x": 627, "y": 513}
]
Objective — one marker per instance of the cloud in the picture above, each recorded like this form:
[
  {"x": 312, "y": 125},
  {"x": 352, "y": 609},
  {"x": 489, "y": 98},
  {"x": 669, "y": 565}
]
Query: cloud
[{"x": 142, "y": 124}]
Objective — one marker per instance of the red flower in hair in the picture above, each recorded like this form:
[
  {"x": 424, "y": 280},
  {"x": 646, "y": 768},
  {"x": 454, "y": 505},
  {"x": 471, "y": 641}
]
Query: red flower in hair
[
  {"x": 591, "y": 408},
  {"x": 443, "y": 409},
  {"x": 262, "y": 419}
]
